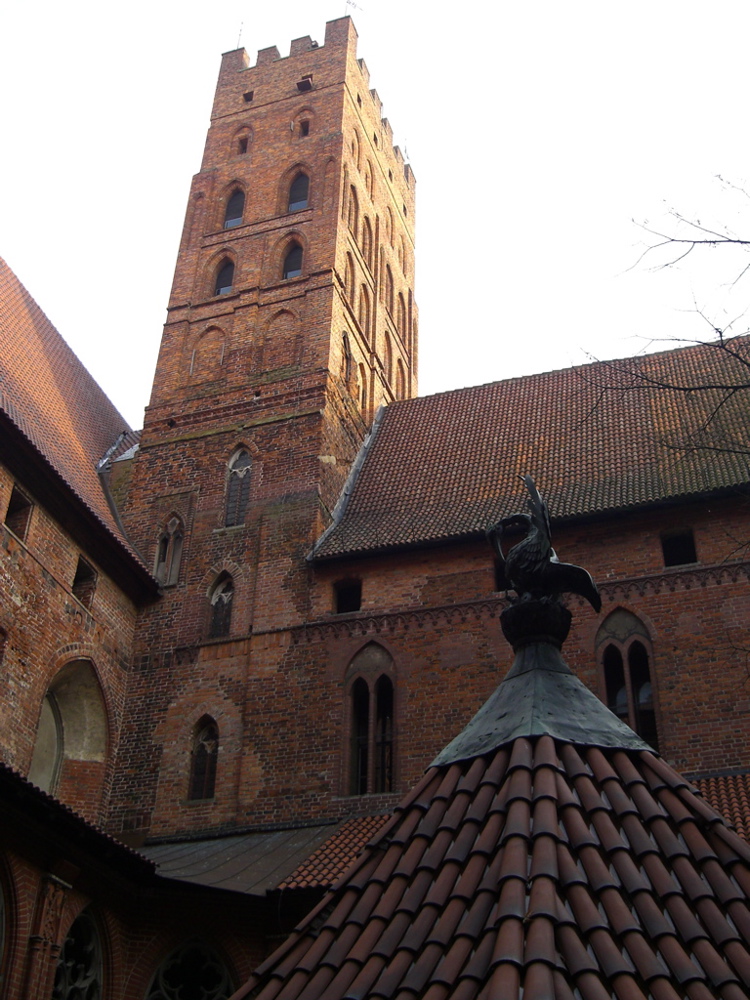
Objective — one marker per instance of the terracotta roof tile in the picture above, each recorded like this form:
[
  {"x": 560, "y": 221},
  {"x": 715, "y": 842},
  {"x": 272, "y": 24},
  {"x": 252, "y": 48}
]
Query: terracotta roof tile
[
  {"x": 326, "y": 865},
  {"x": 536, "y": 868},
  {"x": 593, "y": 918},
  {"x": 729, "y": 795},
  {"x": 53, "y": 401},
  {"x": 595, "y": 449}
]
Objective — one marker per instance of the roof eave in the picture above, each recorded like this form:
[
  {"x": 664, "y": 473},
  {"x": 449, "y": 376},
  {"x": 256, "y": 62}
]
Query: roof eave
[{"x": 30, "y": 467}]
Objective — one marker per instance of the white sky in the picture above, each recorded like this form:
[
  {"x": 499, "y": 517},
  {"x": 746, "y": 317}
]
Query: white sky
[{"x": 537, "y": 132}]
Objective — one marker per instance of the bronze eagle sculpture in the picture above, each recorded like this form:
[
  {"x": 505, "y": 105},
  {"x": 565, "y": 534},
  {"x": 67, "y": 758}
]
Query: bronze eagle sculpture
[{"x": 531, "y": 566}]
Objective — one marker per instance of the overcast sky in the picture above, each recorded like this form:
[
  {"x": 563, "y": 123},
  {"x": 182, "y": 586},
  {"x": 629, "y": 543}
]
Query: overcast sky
[{"x": 536, "y": 132}]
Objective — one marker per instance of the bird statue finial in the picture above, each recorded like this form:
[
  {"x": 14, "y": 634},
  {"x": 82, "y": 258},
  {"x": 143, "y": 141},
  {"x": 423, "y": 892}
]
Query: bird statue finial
[{"x": 531, "y": 565}]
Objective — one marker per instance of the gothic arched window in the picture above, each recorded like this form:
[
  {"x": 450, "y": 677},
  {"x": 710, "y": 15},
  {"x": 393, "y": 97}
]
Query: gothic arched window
[
  {"x": 401, "y": 317},
  {"x": 235, "y": 208},
  {"x": 203, "y": 759},
  {"x": 169, "y": 553},
  {"x": 221, "y": 598},
  {"x": 371, "y": 721},
  {"x": 383, "y": 734},
  {"x": 388, "y": 359},
  {"x": 299, "y": 191},
  {"x": 363, "y": 393},
  {"x": 293, "y": 262},
  {"x": 364, "y": 310},
  {"x": 389, "y": 288},
  {"x": 349, "y": 279},
  {"x": 353, "y": 214},
  {"x": 367, "y": 241},
  {"x": 400, "y": 380},
  {"x": 224, "y": 278},
  {"x": 191, "y": 971},
  {"x": 624, "y": 646},
  {"x": 238, "y": 489},
  {"x": 79, "y": 968},
  {"x": 360, "y": 709},
  {"x": 72, "y": 726}
]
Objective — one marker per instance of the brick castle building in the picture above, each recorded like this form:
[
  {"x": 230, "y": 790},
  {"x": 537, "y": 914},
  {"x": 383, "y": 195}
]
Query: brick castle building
[{"x": 231, "y": 641}]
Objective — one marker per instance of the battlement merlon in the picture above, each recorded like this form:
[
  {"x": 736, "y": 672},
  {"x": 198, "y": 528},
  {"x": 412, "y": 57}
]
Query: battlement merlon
[
  {"x": 340, "y": 34},
  {"x": 242, "y": 87}
]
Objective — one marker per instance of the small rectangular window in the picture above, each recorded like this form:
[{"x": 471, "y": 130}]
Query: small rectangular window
[
  {"x": 247, "y": 96},
  {"x": 678, "y": 548},
  {"x": 305, "y": 83},
  {"x": 84, "y": 583},
  {"x": 304, "y": 128},
  {"x": 242, "y": 144},
  {"x": 347, "y": 596},
  {"x": 18, "y": 514}
]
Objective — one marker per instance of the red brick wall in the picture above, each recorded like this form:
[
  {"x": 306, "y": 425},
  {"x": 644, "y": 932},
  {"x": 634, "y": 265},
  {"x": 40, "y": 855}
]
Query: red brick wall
[{"x": 47, "y": 628}]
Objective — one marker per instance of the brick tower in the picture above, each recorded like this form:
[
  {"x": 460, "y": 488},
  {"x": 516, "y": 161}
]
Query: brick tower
[{"x": 291, "y": 319}]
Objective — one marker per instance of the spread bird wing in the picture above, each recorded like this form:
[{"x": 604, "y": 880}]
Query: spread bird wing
[
  {"x": 539, "y": 515},
  {"x": 566, "y": 578}
]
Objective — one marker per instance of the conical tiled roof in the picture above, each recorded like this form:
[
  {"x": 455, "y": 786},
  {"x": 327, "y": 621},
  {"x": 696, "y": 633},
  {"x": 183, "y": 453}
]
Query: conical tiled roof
[{"x": 527, "y": 865}]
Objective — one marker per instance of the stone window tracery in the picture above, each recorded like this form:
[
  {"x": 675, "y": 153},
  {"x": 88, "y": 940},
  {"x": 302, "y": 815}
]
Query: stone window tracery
[
  {"x": 79, "y": 969},
  {"x": 169, "y": 553},
  {"x": 192, "y": 971},
  {"x": 221, "y": 599},
  {"x": 238, "y": 489}
]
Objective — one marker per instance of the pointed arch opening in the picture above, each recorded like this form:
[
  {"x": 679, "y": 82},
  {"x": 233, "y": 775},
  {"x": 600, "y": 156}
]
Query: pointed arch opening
[
  {"x": 364, "y": 311},
  {"x": 204, "y": 755},
  {"x": 400, "y": 380},
  {"x": 625, "y": 655},
  {"x": 353, "y": 213},
  {"x": 234, "y": 210},
  {"x": 72, "y": 733},
  {"x": 371, "y": 708},
  {"x": 192, "y": 970},
  {"x": 360, "y": 709},
  {"x": 367, "y": 241},
  {"x": 389, "y": 288},
  {"x": 292, "y": 267},
  {"x": 79, "y": 972},
  {"x": 238, "y": 489},
  {"x": 299, "y": 193},
  {"x": 169, "y": 552},
  {"x": 224, "y": 282},
  {"x": 221, "y": 600}
]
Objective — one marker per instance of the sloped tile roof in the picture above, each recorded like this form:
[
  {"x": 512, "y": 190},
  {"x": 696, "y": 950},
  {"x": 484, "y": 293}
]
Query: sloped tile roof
[
  {"x": 51, "y": 398},
  {"x": 63, "y": 823},
  {"x": 252, "y": 863},
  {"x": 599, "y": 437},
  {"x": 326, "y": 865},
  {"x": 539, "y": 870},
  {"x": 729, "y": 794},
  {"x": 527, "y": 865}
]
